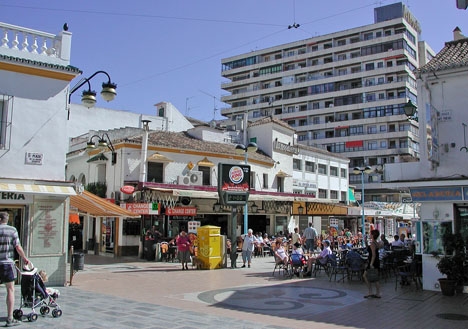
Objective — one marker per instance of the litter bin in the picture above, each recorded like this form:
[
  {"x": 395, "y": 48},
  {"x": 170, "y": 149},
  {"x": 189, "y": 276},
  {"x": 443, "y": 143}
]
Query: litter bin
[{"x": 78, "y": 261}]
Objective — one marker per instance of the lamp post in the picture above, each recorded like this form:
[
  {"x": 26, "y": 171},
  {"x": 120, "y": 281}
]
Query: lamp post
[
  {"x": 88, "y": 97},
  {"x": 362, "y": 171},
  {"x": 410, "y": 110},
  {"x": 242, "y": 149},
  {"x": 103, "y": 143}
]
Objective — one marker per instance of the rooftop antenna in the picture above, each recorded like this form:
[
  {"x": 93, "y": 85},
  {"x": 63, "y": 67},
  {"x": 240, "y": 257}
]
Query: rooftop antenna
[
  {"x": 186, "y": 105},
  {"x": 214, "y": 102}
]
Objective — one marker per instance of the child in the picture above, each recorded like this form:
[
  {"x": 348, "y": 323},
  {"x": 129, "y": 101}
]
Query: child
[{"x": 54, "y": 293}]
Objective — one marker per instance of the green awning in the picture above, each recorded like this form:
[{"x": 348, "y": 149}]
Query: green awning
[
  {"x": 99, "y": 157},
  {"x": 351, "y": 195}
]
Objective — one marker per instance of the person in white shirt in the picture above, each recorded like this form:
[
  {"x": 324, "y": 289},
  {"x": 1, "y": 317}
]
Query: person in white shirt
[
  {"x": 397, "y": 242},
  {"x": 280, "y": 253},
  {"x": 248, "y": 247}
]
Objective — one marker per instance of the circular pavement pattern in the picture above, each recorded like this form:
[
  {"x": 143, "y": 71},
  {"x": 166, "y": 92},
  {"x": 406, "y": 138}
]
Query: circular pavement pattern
[{"x": 278, "y": 300}]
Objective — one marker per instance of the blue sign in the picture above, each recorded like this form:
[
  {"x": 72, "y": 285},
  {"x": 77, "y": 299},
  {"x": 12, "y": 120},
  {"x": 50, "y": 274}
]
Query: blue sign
[{"x": 436, "y": 194}]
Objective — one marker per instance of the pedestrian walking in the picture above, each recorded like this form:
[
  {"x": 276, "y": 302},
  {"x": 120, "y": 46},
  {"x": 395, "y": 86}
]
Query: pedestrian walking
[
  {"x": 183, "y": 247},
  {"x": 310, "y": 236},
  {"x": 248, "y": 247},
  {"x": 9, "y": 241}
]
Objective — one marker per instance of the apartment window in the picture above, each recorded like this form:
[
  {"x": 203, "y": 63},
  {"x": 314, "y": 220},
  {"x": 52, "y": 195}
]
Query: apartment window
[
  {"x": 322, "y": 169},
  {"x": 322, "y": 193},
  {"x": 310, "y": 166},
  {"x": 342, "y": 71},
  {"x": 372, "y": 145},
  {"x": 380, "y": 80},
  {"x": 302, "y": 122},
  {"x": 343, "y": 173},
  {"x": 368, "y": 36},
  {"x": 370, "y": 97},
  {"x": 341, "y": 57},
  {"x": 355, "y": 54},
  {"x": 316, "y": 120},
  {"x": 379, "y": 65},
  {"x": 383, "y": 144},
  {"x": 207, "y": 175},
  {"x": 314, "y": 62},
  {"x": 155, "y": 172},
  {"x": 354, "y": 40},
  {"x": 343, "y": 196},
  {"x": 341, "y": 42},
  {"x": 314, "y": 48},
  {"x": 265, "y": 180},
  {"x": 315, "y": 106},
  {"x": 297, "y": 164},
  {"x": 383, "y": 128},
  {"x": 356, "y": 69},
  {"x": 333, "y": 195},
  {"x": 378, "y": 34},
  {"x": 333, "y": 171},
  {"x": 372, "y": 130},
  {"x": 369, "y": 66},
  {"x": 5, "y": 122},
  {"x": 280, "y": 184}
]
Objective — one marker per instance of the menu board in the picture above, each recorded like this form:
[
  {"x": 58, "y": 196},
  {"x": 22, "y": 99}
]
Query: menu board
[{"x": 47, "y": 228}]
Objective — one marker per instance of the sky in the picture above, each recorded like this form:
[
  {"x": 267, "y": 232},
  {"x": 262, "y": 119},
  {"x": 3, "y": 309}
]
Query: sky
[{"x": 160, "y": 50}]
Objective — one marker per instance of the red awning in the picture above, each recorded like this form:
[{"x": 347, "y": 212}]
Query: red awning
[{"x": 352, "y": 144}]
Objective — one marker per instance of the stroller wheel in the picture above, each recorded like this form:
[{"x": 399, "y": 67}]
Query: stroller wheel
[
  {"x": 56, "y": 313},
  {"x": 17, "y": 314},
  {"x": 45, "y": 310},
  {"x": 32, "y": 317}
]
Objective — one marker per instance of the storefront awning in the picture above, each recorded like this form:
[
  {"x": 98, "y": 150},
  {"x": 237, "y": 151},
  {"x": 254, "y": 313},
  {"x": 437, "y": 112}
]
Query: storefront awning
[
  {"x": 37, "y": 189},
  {"x": 188, "y": 193},
  {"x": 93, "y": 205}
]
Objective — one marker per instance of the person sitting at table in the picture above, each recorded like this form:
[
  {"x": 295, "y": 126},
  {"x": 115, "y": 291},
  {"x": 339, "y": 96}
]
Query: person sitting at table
[
  {"x": 397, "y": 242},
  {"x": 280, "y": 253},
  {"x": 386, "y": 244},
  {"x": 322, "y": 257}
]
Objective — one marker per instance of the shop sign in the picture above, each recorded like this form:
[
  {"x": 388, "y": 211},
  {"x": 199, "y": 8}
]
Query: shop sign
[
  {"x": 181, "y": 211},
  {"x": 436, "y": 194},
  {"x": 127, "y": 189},
  {"x": 33, "y": 158},
  {"x": 150, "y": 208},
  {"x": 15, "y": 198}
]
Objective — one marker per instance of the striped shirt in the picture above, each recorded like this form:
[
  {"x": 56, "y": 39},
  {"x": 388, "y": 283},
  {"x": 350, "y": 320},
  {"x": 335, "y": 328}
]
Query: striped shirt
[{"x": 8, "y": 241}]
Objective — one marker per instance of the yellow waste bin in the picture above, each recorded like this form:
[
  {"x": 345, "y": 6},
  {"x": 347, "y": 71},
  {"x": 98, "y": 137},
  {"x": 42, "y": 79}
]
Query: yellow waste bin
[{"x": 209, "y": 246}]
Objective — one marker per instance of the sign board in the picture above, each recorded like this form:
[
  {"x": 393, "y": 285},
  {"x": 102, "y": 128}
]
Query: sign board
[
  {"x": 192, "y": 226},
  {"x": 233, "y": 183},
  {"x": 150, "y": 208},
  {"x": 406, "y": 200},
  {"x": 181, "y": 211},
  {"x": 34, "y": 158}
]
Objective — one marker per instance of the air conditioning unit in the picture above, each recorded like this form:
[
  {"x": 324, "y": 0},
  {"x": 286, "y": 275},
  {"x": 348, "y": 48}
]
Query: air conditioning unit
[
  {"x": 183, "y": 180},
  {"x": 196, "y": 178}
]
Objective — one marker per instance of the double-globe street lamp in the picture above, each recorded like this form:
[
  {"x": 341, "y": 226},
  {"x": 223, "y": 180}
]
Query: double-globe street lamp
[
  {"x": 88, "y": 97},
  {"x": 362, "y": 171},
  {"x": 104, "y": 142},
  {"x": 242, "y": 149}
]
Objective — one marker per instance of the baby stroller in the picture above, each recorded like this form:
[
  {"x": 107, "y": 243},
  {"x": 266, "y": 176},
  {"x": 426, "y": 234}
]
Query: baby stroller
[
  {"x": 298, "y": 262},
  {"x": 34, "y": 295}
]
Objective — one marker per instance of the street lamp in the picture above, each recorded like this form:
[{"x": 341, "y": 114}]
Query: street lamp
[
  {"x": 242, "y": 149},
  {"x": 410, "y": 110},
  {"x": 103, "y": 143},
  {"x": 362, "y": 171},
  {"x": 88, "y": 97}
]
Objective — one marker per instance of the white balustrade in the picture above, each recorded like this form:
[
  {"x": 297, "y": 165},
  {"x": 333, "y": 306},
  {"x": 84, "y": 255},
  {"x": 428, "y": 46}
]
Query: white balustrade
[{"x": 30, "y": 40}]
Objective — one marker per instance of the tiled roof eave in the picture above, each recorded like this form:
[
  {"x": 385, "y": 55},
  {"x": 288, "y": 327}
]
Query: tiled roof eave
[{"x": 25, "y": 61}]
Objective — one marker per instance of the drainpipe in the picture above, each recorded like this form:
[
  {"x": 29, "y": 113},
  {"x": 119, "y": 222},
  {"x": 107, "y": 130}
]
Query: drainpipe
[{"x": 143, "y": 173}]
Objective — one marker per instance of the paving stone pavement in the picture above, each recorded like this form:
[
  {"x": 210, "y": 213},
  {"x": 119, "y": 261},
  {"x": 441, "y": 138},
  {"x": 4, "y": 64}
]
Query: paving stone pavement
[{"x": 128, "y": 293}]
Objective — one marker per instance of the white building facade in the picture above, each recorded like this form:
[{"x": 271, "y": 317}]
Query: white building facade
[
  {"x": 35, "y": 73},
  {"x": 343, "y": 92}
]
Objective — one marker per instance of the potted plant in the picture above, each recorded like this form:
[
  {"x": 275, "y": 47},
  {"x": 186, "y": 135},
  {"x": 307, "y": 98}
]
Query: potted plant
[{"x": 452, "y": 264}]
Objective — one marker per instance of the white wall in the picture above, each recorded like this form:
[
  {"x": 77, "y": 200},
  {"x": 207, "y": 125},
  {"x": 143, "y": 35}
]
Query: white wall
[{"x": 37, "y": 126}]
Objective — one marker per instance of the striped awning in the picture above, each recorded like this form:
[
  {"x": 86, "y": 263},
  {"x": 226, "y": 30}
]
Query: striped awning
[
  {"x": 89, "y": 203},
  {"x": 37, "y": 189}
]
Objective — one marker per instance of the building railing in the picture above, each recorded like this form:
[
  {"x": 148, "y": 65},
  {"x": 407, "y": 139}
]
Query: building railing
[{"x": 27, "y": 43}]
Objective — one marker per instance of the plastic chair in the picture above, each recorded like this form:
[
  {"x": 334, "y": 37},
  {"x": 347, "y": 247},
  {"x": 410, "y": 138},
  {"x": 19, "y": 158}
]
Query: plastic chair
[
  {"x": 408, "y": 273},
  {"x": 281, "y": 266},
  {"x": 355, "y": 265},
  {"x": 337, "y": 266},
  {"x": 321, "y": 264}
]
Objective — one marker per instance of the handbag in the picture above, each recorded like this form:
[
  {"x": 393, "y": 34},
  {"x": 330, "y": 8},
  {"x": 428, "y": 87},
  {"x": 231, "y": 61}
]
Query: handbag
[{"x": 372, "y": 275}]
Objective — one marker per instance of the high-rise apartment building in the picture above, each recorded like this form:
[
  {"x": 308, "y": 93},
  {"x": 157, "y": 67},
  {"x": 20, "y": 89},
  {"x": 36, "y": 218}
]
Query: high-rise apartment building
[{"x": 343, "y": 91}]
